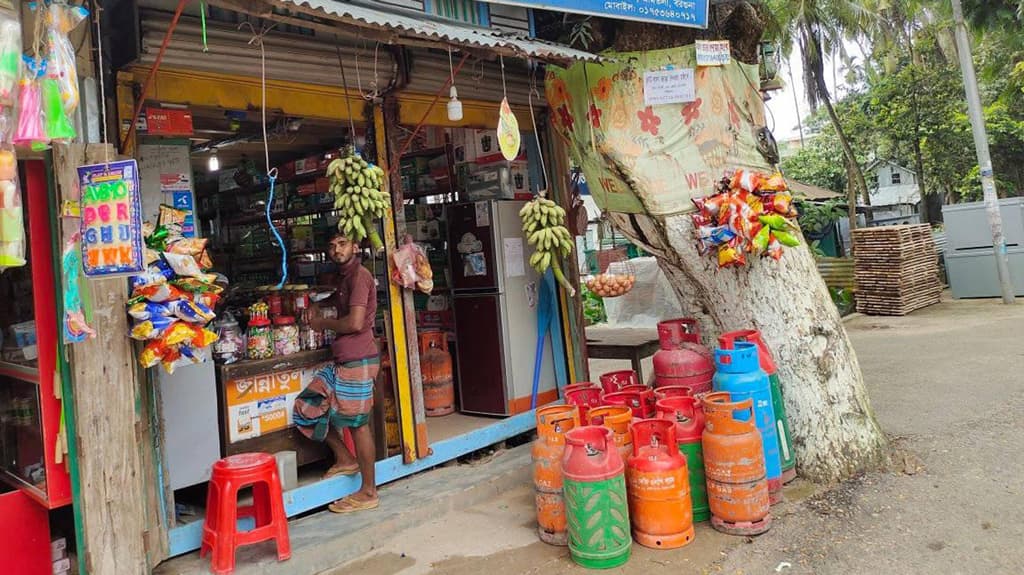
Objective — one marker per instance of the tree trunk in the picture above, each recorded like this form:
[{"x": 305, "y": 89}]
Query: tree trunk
[
  {"x": 834, "y": 430},
  {"x": 852, "y": 167}
]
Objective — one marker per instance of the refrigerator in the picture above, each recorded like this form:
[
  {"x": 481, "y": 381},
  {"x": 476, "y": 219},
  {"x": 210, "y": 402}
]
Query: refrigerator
[{"x": 495, "y": 303}]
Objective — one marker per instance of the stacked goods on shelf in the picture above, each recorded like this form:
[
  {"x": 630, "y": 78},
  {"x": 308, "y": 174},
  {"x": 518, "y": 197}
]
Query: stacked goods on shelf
[{"x": 896, "y": 269}]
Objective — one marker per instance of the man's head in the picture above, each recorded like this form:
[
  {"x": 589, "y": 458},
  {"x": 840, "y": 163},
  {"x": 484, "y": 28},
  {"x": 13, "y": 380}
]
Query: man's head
[{"x": 341, "y": 249}]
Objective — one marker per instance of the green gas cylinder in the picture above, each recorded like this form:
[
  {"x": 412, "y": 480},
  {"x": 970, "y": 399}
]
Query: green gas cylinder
[{"x": 595, "y": 499}]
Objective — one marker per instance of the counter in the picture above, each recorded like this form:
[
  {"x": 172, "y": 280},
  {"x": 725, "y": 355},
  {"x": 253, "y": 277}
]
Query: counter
[{"x": 256, "y": 399}]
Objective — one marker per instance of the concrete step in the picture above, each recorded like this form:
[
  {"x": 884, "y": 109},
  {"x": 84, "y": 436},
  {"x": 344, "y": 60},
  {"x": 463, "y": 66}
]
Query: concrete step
[{"x": 324, "y": 540}]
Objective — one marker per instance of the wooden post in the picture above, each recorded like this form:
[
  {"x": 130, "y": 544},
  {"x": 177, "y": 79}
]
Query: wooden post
[
  {"x": 400, "y": 348},
  {"x": 575, "y": 332},
  {"x": 390, "y": 117},
  {"x": 118, "y": 486}
]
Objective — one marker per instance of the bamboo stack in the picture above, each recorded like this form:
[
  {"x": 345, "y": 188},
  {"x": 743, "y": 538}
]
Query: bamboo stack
[{"x": 896, "y": 269}]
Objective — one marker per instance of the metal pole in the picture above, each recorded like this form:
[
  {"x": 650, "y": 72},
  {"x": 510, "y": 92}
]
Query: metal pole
[{"x": 988, "y": 182}]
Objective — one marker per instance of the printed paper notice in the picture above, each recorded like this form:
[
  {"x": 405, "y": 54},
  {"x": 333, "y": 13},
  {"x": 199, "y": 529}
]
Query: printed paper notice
[
  {"x": 483, "y": 215},
  {"x": 514, "y": 264},
  {"x": 713, "y": 52},
  {"x": 669, "y": 87}
]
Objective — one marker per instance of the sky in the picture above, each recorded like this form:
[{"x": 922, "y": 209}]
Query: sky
[{"x": 783, "y": 109}]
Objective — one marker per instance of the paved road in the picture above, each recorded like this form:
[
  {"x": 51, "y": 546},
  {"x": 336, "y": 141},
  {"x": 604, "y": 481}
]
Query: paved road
[{"x": 945, "y": 382}]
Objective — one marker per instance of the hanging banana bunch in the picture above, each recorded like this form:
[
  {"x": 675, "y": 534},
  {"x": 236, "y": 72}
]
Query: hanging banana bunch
[
  {"x": 359, "y": 195},
  {"x": 543, "y": 225}
]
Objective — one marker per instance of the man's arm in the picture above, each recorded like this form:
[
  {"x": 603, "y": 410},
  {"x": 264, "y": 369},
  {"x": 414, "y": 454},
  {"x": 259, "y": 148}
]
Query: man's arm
[{"x": 351, "y": 323}]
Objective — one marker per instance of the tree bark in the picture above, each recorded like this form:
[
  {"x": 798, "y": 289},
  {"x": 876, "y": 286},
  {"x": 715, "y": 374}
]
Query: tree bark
[{"x": 834, "y": 429}]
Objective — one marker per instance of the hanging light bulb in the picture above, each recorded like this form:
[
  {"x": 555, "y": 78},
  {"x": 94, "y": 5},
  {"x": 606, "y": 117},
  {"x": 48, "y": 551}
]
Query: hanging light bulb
[
  {"x": 454, "y": 105},
  {"x": 214, "y": 164}
]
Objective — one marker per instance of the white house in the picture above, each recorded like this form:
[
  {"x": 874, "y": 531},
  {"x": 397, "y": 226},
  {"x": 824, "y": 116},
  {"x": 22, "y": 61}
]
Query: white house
[{"x": 894, "y": 192}]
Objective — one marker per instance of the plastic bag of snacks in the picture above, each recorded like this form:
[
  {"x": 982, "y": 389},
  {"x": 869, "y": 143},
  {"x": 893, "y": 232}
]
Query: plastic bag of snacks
[{"x": 751, "y": 213}]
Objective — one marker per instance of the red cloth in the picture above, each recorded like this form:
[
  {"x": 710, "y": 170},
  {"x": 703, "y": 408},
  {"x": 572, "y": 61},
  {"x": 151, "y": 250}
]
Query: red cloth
[{"x": 356, "y": 287}]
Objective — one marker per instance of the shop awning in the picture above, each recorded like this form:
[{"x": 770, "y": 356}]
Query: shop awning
[{"x": 405, "y": 24}]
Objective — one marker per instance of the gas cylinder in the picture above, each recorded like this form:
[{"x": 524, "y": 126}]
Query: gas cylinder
[
  {"x": 673, "y": 391},
  {"x": 436, "y": 368},
  {"x": 734, "y": 465},
  {"x": 615, "y": 380},
  {"x": 584, "y": 395},
  {"x": 682, "y": 360},
  {"x": 739, "y": 373},
  {"x": 688, "y": 416},
  {"x": 659, "y": 487},
  {"x": 618, "y": 419},
  {"x": 392, "y": 433},
  {"x": 786, "y": 453},
  {"x": 552, "y": 424},
  {"x": 640, "y": 402},
  {"x": 595, "y": 499}
]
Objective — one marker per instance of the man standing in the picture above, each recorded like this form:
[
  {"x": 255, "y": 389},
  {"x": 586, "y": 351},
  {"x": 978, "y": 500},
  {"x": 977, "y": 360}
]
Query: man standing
[{"x": 341, "y": 396}]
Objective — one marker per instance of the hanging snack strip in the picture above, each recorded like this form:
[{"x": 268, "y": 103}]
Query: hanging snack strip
[
  {"x": 749, "y": 214},
  {"x": 173, "y": 300},
  {"x": 12, "y": 223}
]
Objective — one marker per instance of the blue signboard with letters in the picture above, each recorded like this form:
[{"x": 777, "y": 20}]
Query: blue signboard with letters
[{"x": 690, "y": 13}]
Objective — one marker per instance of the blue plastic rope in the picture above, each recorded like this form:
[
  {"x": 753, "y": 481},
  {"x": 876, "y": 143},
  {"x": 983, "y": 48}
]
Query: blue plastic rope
[{"x": 273, "y": 230}]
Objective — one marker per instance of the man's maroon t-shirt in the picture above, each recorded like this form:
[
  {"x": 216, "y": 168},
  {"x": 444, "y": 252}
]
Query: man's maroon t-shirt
[{"x": 356, "y": 287}]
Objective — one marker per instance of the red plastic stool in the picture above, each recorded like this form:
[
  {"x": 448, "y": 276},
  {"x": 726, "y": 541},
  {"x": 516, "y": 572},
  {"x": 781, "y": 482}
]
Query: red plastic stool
[{"x": 220, "y": 530}]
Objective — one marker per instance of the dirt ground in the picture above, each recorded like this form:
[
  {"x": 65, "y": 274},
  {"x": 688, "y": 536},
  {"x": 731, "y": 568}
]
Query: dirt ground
[{"x": 945, "y": 383}]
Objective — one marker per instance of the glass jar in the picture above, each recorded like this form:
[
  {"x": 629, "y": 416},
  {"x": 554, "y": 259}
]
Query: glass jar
[
  {"x": 261, "y": 339},
  {"x": 286, "y": 335},
  {"x": 230, "y": 345}
]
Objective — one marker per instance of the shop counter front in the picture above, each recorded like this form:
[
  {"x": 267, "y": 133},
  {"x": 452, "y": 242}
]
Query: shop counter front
[{"x": 256, "y": 399}]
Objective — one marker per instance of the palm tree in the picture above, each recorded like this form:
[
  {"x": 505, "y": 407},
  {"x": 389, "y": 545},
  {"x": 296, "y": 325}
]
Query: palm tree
[{"x": 817, "y": 28}]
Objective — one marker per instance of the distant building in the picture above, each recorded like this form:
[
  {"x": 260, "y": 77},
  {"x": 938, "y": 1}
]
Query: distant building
[{"x": 895, "y": 198}]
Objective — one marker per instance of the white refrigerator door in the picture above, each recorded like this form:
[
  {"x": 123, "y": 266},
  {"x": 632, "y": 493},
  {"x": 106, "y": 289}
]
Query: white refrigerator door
[
  {"x": 519, "y": 307},
  {"x": 191, "y": 426}
]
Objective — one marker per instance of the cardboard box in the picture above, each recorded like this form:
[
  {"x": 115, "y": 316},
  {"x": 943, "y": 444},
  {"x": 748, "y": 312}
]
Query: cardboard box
[
  {"x": 520, "y": 176},
  {"x": 58, "y": 549},
  {"x": 168, "y": 122},
  {"x": 62, "y": 567},
  {"x": 485, "y": 146},
  {"x": 491, "y": 182}
]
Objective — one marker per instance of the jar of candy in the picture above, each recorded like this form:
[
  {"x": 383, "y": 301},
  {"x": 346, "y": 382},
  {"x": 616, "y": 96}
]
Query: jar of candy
[
  {"x": 261, "y": 338},
  {"x": 230, "y": 345},
  {"x": 275, "y": 303},
  {"x": 286, "y": 335}
]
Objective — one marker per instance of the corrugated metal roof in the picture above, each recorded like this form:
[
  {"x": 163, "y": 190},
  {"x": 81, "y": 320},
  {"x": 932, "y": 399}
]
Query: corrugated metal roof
[
  {"x": 410, "y": 24},
  {"x": 811, "y": 192}
]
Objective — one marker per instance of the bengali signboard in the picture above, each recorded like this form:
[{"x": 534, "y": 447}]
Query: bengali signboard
[
  {"x": 689, "y": 13},
  {"x": 263, "y": 404}
]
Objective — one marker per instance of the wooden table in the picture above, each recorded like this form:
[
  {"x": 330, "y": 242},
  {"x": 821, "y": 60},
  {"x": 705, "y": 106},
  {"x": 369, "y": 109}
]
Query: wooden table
[{"x": 631, "y": 344}]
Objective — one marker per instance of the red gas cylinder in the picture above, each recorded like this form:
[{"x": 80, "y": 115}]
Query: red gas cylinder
[
  {"x": 580, "y": 385},
  {"x": 618, "y": 419},
  {"x": 640, "y": 402},
  {"x": 615, "y": 380},
  {"x": 658, "y": 483},
  {"x": 682, "y": 359},
  {"x": 734, "y": 467},
  {"x": 584, "y": 397},
  {"x": 673, "y": 391}
]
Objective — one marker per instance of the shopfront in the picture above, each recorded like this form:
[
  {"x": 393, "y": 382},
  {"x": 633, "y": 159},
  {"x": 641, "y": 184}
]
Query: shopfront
[{"x": 201, "y": 155}]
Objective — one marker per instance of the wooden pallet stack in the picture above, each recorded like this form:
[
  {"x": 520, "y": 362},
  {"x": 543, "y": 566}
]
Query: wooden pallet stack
[{"x": 896, "y": 269}]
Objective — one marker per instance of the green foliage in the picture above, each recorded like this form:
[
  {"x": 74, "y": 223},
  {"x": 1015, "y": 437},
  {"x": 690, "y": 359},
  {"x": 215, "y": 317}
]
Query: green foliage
[
  {"x": 844, "y": 300},
  {"x": 911, "y": 97},
  {"x": 816, "y": 217}
]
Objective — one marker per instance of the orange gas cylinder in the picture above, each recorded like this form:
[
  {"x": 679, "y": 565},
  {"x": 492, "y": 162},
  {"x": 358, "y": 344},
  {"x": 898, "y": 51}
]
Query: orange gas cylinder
[
  {"x": 658, "y": 485},
  {"x": 615, "y": 380},
  {"x": 584, "y": 395},
  {"x": 735, "y": 468},
  {"x": 640, "y": 400},
  {"x": 617, "y": 418},
  {"x": 436, "y": 369},
  {"x": 552, "y": 424}
]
